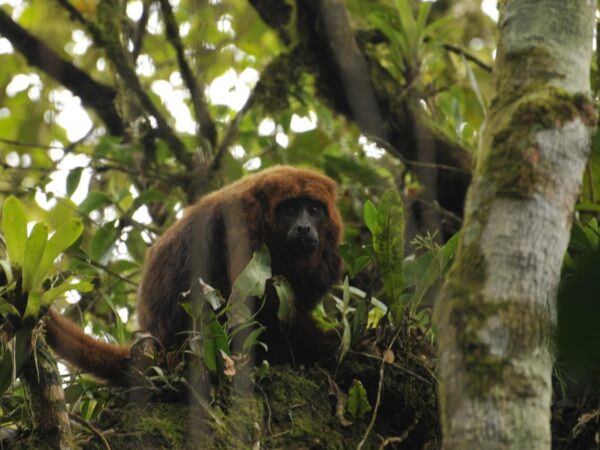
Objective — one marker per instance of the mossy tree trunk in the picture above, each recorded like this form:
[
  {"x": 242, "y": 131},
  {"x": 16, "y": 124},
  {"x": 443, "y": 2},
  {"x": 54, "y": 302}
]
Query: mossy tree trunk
[
  {"x": 42, "y": 382},
  {"x": 497, "y": 311}
]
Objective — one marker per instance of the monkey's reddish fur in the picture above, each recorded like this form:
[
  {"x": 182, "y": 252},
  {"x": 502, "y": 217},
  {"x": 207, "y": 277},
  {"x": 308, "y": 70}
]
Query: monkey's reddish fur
[{"x": 214, "y": 241}]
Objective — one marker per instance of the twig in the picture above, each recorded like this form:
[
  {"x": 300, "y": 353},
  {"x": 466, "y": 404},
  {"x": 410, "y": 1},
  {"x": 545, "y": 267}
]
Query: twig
[
  {"x": 102, "y": 267},
  {"x": 469, "y": 56},
  {"x": 379, "y": 389},
  {"x": 92, "y": 428},
  {"x": 402, "y": 437},
  {"x": 434, "y": 166},
  {"x": 207, "y": 126},
  {"x": 141, "y": 29}
]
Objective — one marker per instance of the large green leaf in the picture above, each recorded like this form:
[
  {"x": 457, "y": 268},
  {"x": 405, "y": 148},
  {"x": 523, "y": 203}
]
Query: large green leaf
[
  {"x": 34, "y": 250},
  {"x": 249, "y": 283},
  {"x": 388, "y": 244},
  {"x": 61, "y": 240},
  {"x": 215, "y": 339},
  {"x": 14, "y": 225}
]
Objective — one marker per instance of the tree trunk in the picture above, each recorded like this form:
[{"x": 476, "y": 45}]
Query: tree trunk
[
  {"x": 42, "y": 382},
  {"x": 497, "y": 311}
]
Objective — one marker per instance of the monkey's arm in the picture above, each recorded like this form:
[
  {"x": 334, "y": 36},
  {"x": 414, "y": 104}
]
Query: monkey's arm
[{"x": 103, "y": 360}]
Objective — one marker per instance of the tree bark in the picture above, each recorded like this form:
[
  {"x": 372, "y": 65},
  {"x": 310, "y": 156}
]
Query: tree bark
[
  {"x": 42, "y": 382},
  {"x": 497, "y": 311}
]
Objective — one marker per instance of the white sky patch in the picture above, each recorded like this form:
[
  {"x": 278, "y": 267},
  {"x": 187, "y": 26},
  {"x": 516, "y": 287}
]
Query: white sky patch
[
  {"x": 301, "y": 124},
  {"x": 237, "y": 151},
  {"x": 58, "y": 183},
  {"x": 145, "y": 66},
  {"x": 13, "y": 159},
  {"x": 71, "y": 115},
  {"x": 134, "y": 10},
  {"x": 123, "y": 314},
  {"x": 253, "y": 164},
  {"x": 72, "y": 297},
  {"x": 17, "y": 5},
  {"x": 184, "y": 28},
  {"x": 101, "y": 64},
  {"x": 224, "y": 25},
  {"x": 490, "y": 7},
  {"x": 282, "y": 139},
  {"x": 4, "y": 113},
  {"x": 142, "y": 215},
  {"x": 154, "y": 25},
  {"x": 5, "y": 47},
  {"x": 21, "y": 82},
  {"x": 266, "y": 127},
  {"x": 229, "y": 90},
  {"x": 56, "y": 152},
  {"x": 176, "y": 79},
  {"x": 174, "y": 100},
  {"x": 81, "y": 42},
  {"x": 370, "y": 148}
]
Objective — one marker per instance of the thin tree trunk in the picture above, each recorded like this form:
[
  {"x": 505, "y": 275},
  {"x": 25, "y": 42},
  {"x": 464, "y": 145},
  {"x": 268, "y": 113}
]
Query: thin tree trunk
[
  {"x": 42, "y": 383},
  {"x": 497, "y": 312}
]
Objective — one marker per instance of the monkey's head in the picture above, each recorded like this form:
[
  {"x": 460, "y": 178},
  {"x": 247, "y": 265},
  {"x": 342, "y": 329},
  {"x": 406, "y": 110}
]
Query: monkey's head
[{"x": 299, "y": 210}]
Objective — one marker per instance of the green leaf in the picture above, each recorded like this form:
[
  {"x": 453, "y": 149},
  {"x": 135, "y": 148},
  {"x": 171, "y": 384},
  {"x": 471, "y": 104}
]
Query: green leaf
[
  {"x": 69, "y": 284},
  {"x": 61, "y": 240},
  {"x": 346, "y": 333},
  {"x": 249, "y": 283},
  {"x": 388, "y": 245},
  {"x": 370, "y": 215},
  {"x": 286, "y": 298},
  {"x": 215, "y": 339},
  {"x": 103, "y": 241},
  {"x": 252, "y": 339},
  {"x": 359, "y": 321},
  {"x": 73, "y": 180},
  {"x": 435, "y": 269},
  {"x": 136, "y": 245},
  {"x": 13, "y": 359},
  {"x": 34, "y": 251},
  {"x": 358, "y": 405},
  {"x": 94, "y": 200},
  {"x": 14, "y": 225},
  {"x": 7, "y": 308}
]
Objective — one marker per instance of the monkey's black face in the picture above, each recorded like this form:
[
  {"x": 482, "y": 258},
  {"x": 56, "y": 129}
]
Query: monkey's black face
[{"x": 300, "y": 220}]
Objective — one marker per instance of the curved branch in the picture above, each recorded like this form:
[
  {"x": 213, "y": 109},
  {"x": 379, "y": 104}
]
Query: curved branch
[
  {"x": 207, "y": 126},
  {"x": 93, "y": 94}
]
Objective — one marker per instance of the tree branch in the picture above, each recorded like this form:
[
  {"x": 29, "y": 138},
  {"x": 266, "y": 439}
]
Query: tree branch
[
  {"x": 205, "y": 121},
  {"x": 92, "y": 93}
]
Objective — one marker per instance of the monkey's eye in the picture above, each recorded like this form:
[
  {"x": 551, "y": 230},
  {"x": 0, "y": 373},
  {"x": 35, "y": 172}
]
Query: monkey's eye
[{"x": 316, "y": 210}]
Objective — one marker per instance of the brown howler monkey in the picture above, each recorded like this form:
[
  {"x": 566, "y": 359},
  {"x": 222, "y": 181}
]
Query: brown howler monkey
[{"x": 290, "y": 210}]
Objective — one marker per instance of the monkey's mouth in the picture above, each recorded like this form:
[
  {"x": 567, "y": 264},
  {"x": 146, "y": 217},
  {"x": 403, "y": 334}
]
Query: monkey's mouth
[{"x": 304, "y": 244}]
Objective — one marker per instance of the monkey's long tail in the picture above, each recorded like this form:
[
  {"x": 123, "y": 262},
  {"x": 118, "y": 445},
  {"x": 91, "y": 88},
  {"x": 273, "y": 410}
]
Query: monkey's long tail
[{"x": 103, "y": 360}]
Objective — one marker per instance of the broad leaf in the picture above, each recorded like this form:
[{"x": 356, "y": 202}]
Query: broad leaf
[
  {"x": 249, "y": 283},
  {"x": 388, "y": 244},
  {"x": 358, "y": 405},
  {"x": 215, "y": 339},
  {"x": 61, "y": 240},
  {"x": 34, "y": 251},
  {"x": 14, "y": 225}
]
